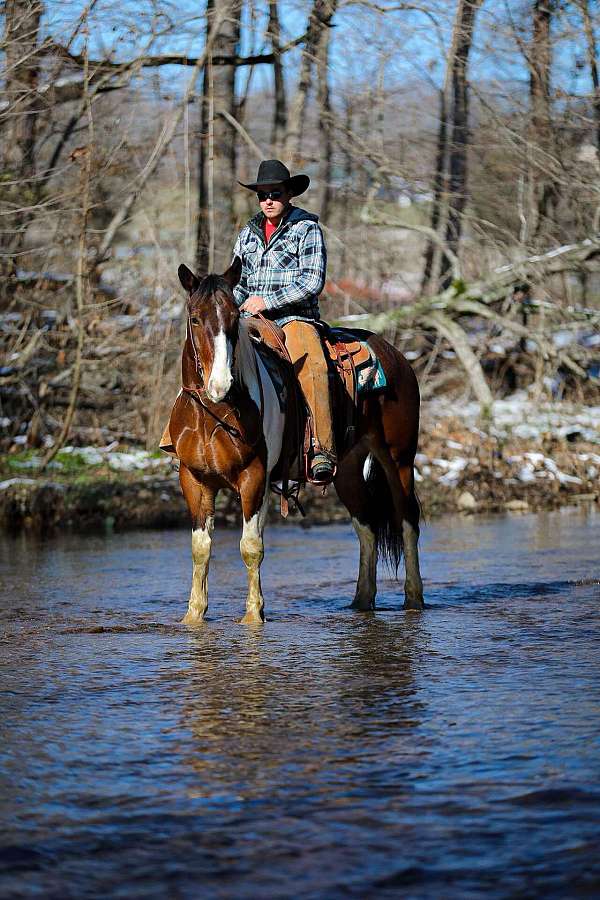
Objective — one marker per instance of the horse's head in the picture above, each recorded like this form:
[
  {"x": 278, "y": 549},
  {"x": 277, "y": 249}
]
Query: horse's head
[{"x": 213, "y": 319}]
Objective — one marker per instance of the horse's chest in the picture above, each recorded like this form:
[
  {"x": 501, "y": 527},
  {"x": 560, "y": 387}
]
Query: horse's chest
[{"x": 209, "y": 447}]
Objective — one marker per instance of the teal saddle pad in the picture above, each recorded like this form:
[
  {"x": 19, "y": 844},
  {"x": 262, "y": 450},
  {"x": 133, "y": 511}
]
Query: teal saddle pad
[{"x": 369, "y": 374}]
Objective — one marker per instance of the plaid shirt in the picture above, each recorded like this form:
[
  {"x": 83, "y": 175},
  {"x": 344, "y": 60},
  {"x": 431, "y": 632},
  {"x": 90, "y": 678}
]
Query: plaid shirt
[{"x": 289, "y": 272}]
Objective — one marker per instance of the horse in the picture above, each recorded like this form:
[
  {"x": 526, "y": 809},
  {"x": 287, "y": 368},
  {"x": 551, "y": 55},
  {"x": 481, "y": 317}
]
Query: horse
[{"x": 227, "y": 428}]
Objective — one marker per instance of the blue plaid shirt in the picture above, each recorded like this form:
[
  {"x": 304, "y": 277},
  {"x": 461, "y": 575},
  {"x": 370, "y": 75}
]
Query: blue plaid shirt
[{"x": 289, "y": 272}]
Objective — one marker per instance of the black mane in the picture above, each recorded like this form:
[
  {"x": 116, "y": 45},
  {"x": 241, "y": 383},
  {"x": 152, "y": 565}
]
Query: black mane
[{"x": 209, "y": 286}]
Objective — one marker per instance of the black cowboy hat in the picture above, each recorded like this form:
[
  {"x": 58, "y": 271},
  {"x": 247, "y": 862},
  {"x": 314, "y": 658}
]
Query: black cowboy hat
[{"x": 273, "y": 171}]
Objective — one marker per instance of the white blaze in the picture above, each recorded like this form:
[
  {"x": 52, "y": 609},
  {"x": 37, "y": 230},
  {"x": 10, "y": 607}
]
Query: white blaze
[{"x": 220, "y": 377}]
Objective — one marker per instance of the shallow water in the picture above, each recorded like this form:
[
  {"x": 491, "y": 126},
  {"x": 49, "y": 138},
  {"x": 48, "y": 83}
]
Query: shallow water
[{"x": 454, "y": 753}]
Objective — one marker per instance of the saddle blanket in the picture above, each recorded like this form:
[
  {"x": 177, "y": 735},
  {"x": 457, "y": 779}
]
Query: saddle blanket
[
  {"x": 369, "y": 371},
  {"x": 370, "y": 375}
]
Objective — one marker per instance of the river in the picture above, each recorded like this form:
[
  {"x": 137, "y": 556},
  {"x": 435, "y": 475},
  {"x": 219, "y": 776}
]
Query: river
[{"x": 453, "y": 753}]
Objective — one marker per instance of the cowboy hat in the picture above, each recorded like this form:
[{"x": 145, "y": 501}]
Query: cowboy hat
[{"x": 273, "y": 171}]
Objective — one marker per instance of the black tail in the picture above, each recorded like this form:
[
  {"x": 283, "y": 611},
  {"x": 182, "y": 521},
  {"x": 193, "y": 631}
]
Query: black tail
[{"x": 382, "y": 516}]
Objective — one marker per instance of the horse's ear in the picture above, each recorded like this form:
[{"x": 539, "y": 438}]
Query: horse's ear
[
  {"x": 187, "y": 278},
  {"x": 233, "y": 273}
]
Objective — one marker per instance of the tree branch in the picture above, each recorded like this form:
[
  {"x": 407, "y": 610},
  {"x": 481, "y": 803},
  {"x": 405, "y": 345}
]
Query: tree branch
[
  {"x": 163, "y": 141},
  {"x": 174, "y": 59},
  {"x": 260, "y": 154}
]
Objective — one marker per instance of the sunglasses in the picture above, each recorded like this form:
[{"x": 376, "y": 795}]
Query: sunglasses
[{"x": 269, "y": 195}]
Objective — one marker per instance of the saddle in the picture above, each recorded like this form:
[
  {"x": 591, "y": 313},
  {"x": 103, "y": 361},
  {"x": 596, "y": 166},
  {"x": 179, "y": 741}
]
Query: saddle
[{"x": 353, "y": 369}]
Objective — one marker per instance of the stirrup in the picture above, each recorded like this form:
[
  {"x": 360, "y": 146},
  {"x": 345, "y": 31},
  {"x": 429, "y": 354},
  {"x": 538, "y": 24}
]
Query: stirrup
[{"x": 322, "y": 469}]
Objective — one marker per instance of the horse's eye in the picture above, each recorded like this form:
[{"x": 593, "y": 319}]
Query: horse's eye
[{"x": 194, "y": 320}]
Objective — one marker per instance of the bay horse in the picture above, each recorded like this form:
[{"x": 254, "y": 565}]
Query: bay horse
[{"x": 227, "y": 429}]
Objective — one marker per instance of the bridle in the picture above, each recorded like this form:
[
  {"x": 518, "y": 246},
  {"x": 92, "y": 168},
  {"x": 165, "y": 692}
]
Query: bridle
[
  {"x": 198, "y": 392},
  {"x": 189, "y": 334}
]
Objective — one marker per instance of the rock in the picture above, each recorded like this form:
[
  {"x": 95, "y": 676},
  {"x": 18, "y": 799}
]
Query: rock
[
  {"x": 517, "y": 505},
  {"x": 467, "y": 502}
]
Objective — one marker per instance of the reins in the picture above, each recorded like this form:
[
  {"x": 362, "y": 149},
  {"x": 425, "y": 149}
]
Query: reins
[
  {"x": 274, "y": 332},
  {"x": 198, "y": 393}
]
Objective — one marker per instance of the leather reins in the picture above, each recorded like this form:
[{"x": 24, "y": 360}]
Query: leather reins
[{"x": 198, "y": 393}]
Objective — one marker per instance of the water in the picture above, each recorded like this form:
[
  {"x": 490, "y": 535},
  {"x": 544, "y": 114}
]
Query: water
[{"x": 329, "y": 754}]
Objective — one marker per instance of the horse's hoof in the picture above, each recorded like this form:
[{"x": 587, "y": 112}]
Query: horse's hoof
[
  {"x": 414, "y": 604},
  {"x": 366, "y": 604},
  {"x": 252, "y": 619},
  {"x": 192, "y": 618}
]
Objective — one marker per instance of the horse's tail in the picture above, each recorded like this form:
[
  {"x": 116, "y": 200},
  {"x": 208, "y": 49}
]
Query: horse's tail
[{"x": 382, "y": 515}]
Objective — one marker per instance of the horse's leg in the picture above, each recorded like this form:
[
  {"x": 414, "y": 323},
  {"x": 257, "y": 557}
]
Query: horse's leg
[
  {"x": 255, "y": 501},
  {"x": 400, "y": 477},
  {"x": 366, "y": 586},
  {"x": 352, "y": 491},
  {"x": 200, "y": 499},
  {"x": 413, "y": 584}
]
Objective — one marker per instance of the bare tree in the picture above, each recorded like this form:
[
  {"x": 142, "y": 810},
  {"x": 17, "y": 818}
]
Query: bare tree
[
  {"x": 325, "y": 115},
  {"x": 592, "y": 62},
  {"x": 543, "y": 186},
  {"x": 450, "y": 180},
  {"x": 18, "y": 126},
  {"x": 218, "y": 146},
  {"x": 320, "y": 18},
  {"x": 459, "y": 137},
  {"x": 280, "y": 101}
]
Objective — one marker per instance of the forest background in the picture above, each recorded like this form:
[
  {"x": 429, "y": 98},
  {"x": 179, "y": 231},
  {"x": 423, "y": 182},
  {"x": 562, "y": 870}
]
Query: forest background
[{"x": 453, "y": 147}]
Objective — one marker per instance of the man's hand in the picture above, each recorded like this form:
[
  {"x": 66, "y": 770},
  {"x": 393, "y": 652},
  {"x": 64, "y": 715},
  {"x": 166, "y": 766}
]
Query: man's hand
[{"x": 253, "y": 305}]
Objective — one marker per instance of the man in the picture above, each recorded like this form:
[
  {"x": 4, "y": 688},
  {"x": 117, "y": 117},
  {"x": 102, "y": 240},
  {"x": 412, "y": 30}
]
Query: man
[{"x": 283, "y": 272}]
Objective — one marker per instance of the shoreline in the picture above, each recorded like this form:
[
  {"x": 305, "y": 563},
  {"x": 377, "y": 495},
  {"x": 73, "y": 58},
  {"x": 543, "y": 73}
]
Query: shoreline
[
  {"x": 530, "y": 457},
  {"x": 41, "y": 505}
]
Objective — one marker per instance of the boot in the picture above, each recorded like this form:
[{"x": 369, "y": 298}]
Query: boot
[{"x": 322, "y": 469}]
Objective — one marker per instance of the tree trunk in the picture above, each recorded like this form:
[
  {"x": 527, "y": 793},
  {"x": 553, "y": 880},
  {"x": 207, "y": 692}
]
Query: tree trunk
[
  {"x": 432, "y": 256},
  {"x": 320, "y": 17},
  {"x": 459, "y": 137},
  {"x": 347, "y": 190},
  {"x": 325, "y": 119},
  {"x": 18, "y": 126},
  {"x": 593, "y": 64},
  {"x": 459, "y": 341},
  {"x": 543, "y": 187},
  {"x": 280, "y": 108},
  {"x": 452, "y": 147},
  {"x": 217, "y": 145}
]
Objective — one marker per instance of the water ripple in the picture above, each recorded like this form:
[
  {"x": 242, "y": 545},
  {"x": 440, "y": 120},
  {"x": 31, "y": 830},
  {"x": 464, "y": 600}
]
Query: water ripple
[{"x": 328, "y": 754}]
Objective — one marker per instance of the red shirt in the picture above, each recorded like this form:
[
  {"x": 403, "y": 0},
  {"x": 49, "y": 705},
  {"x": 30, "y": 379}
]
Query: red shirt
[{"x": 270, "y": 228}]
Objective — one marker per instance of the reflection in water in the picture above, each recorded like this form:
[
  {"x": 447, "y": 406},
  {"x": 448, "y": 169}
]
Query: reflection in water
[{"x": 330, "y": 753}]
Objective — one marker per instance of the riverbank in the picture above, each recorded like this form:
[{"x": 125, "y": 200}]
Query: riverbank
[
  {"x": 529, "y": 458},
  {"x": 100, "y": 503}
]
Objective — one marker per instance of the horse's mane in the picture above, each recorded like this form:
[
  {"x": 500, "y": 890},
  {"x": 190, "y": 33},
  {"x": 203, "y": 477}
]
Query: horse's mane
[
  {"x": 209, "y": 286},
  {"x": 244, "y": 366}
]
